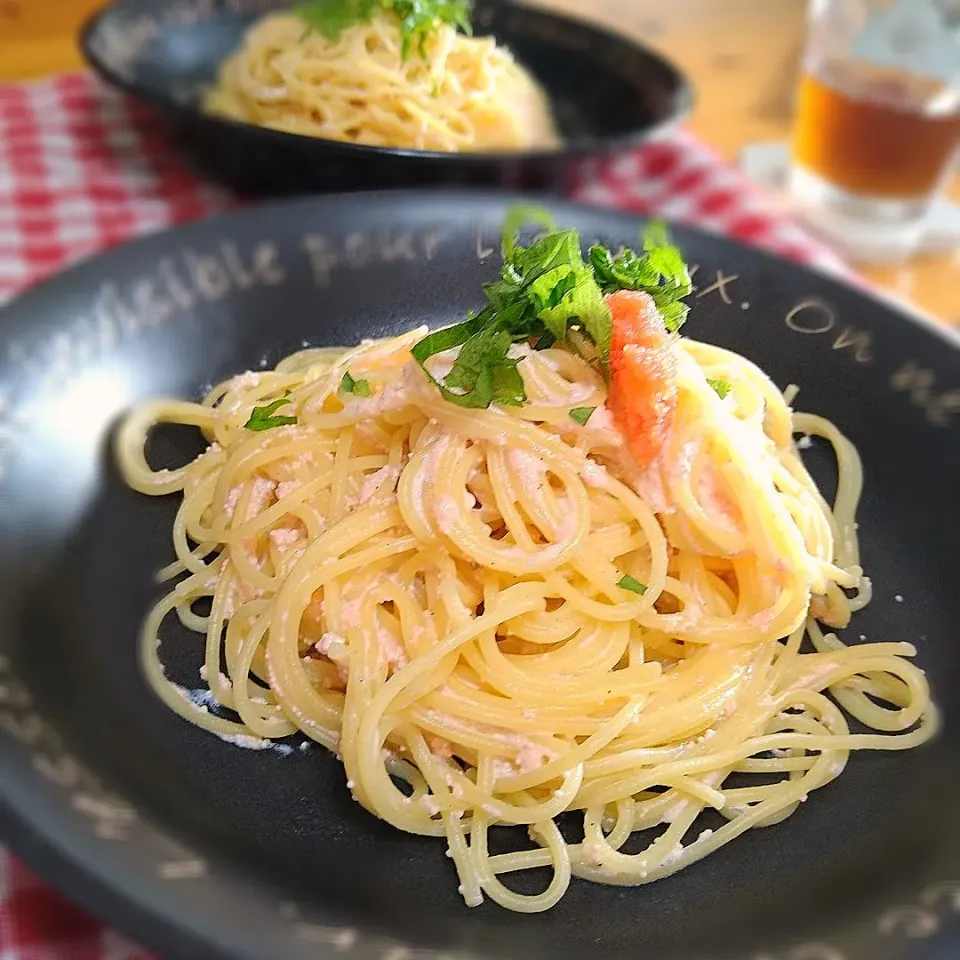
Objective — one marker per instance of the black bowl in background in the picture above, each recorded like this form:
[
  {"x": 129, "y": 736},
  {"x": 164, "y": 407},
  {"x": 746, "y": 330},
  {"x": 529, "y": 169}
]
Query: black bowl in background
[{"x": 608, "y": 93}]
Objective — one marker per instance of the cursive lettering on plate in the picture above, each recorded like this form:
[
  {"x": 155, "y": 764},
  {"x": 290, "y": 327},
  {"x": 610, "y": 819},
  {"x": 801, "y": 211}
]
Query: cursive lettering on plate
[
  {"x": 912, "y": 922},
  {"x": 341, "y": 938},
  {"x": 719, "y": 286},
  {"x": 191, "y": 869},
  {"x": 806, "y": 951},
  {"x": 942, "y": 895},
  {"x": 940, "y": 407},
  {"x": 815, "y": 317},
  {"x": 811, "y": 316},
  {"x": 859, "y": 341},
  {"x": 360, "y": 249},
  {"x": 179, "y": 283},
  {"x": 110, "y": 817}
]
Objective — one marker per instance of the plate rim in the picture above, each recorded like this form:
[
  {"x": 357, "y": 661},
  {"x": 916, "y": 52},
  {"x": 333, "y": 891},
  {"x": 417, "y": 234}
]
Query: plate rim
[
  {"x": 71, "y": 874},
  {"x": 855, "y": 285},
  {"x": 685, "y": 102},
  {"x": 111, "y": 907}
]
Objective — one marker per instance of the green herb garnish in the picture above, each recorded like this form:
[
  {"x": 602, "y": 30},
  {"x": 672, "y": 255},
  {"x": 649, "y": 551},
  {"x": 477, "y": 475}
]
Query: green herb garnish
[
  {"x": 635, "y": 586},
  {"x": 720, "y": 387},
  {"x": 417, "y": 19},
  {"x": 548, "y": 294},
  {"x": 582, "y": 414},
  {"x": 360, "y": 388},
  {"x": 661, "y": 272},
  {"x": 542, "y": 289},
  {"x": 264, "y": 418}
]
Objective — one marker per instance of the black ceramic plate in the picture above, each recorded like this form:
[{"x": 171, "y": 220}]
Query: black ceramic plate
[
  {"x": 607, "y": 92},
  {"x": 199, "y": 848}
]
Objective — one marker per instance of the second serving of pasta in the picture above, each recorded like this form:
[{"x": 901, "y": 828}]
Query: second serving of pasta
[{"x": 449, "y": 93}]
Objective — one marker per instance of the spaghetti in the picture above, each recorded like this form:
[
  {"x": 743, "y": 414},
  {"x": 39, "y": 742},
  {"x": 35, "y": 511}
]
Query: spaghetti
[
  {"x": 495, "y": 616},
  {"x": 457, "y": 93}
]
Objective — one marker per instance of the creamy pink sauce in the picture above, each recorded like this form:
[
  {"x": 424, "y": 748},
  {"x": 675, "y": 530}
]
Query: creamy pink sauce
[
  {"x": 503, "y": 769},
  {"x": 595, "y": 474},
  {"x": 391, "y": 650},
  {"x": 385, "y": 474},
  {"x": 286, "y": 487},
  {"x": 405, "y": 390},
  {"x": 230, "y": 504},
  {"x": 566, "y": 393},
  {"x": 440, "y": 747},
  {"x": 565, "y": 531},
  {"x": 529, "y": 470},
  {"x": 260, "y": 496},
  {"x": 648, "y": 484},
  {"x": 350, "y": 612},
  {"x": 429, "y": 473},
  {"x": 531, "y": 757},
  {"x": 285, "y": 536},
  {"x": 238, "y": 386},
  {"x": 814, "y": 678},
  {"x": 330, "y": 641},
  {"x": 448, "y": 513},
  {"x": 714, "y": 500},
  {"x": 245, "y": 380}
]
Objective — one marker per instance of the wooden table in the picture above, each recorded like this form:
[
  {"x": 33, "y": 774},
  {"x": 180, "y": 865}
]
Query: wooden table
[{"x": 740, "y": 54}]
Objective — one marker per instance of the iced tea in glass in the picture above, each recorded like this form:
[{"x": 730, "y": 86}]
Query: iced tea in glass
[{"x": 878, "y": 115}]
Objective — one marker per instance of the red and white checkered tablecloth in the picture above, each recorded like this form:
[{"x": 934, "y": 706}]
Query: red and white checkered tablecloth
[{"x": 82, "y": 168}]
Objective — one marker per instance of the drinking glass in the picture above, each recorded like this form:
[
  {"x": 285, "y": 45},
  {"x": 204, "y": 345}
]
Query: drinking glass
[{"x": 878, "y": 118}]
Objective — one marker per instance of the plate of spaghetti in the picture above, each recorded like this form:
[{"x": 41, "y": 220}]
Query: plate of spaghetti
[
  {"x": 481, "y": 580},
  {"x": 319, "y": 94}
]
